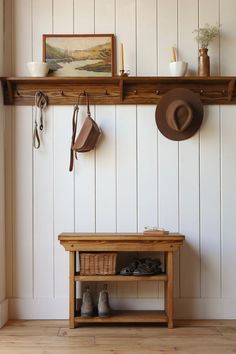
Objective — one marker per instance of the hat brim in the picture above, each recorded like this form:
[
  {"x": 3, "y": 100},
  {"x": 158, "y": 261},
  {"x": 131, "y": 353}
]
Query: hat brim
[{"x": 193, "y": 100}]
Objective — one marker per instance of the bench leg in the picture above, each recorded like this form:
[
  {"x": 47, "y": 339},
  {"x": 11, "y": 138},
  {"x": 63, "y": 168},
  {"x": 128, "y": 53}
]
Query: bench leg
[
  {"x": 72, "y": 290},
  {"x": 169, "y": 290}
]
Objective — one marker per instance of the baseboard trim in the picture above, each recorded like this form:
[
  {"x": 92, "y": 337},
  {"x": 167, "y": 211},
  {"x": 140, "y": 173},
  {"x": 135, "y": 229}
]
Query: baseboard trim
[
  {"x": 3, "y": 312},
  {"x": 40, "y": 309},
  {"x": 204, "y": 308}
]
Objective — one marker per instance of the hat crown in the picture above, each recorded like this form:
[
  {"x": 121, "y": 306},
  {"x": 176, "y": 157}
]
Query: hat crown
[{"x": 179, "y": 115}]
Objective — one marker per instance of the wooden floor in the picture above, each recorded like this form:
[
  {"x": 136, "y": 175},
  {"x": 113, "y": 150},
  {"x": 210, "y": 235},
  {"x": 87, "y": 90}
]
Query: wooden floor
[{"x": 54, "y": 337}]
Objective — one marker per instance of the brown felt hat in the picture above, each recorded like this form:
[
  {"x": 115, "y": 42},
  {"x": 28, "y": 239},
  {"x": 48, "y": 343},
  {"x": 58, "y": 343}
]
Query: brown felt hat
[{"x": 179, "y": 114}]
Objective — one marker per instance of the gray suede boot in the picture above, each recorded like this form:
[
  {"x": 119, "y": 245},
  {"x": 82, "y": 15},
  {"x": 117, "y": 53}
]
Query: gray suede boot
[
  {"x": 104, "y": 309},
  {"x": 87, "y": 304}
]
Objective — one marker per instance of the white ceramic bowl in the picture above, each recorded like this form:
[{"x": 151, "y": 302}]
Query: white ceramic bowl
[
  {"x": 178, "y": 68},
  {"x": 37, "y": 68}
]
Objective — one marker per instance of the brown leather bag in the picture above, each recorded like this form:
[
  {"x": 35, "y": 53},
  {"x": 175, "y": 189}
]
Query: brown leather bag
[{"x": 88, "y": 135}]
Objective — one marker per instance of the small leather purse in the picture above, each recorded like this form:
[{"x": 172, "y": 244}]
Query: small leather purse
[{"x": 88, "y": 135}]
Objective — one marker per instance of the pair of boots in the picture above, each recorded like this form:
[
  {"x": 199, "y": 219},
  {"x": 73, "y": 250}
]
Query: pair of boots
[{"x": 103, "y": 307}]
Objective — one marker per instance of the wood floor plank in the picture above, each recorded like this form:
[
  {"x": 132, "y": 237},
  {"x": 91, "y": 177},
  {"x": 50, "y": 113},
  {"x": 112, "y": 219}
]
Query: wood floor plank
[
  {"x": 29, "y": 331},
  {"x": 54, "y": 337},
  {"x": 37, "y": 323},
  {"x": 227, "y": 330},
  {"x": 45, "y": 342},
  {"x": 143, "y": 332}
]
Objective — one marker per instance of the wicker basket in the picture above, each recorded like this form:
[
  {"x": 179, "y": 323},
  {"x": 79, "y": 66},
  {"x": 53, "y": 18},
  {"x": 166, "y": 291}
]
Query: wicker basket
[{"x": 98, "y": 263}]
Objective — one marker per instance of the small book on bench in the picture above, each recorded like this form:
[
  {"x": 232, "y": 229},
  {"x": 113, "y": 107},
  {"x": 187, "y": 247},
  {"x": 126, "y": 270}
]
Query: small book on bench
[{"x": 155, "y": 232}]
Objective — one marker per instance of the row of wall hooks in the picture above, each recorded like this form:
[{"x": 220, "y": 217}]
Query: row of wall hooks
[
  {"x": 63, "y": 94},
  {"x": 115, "y": 90}
]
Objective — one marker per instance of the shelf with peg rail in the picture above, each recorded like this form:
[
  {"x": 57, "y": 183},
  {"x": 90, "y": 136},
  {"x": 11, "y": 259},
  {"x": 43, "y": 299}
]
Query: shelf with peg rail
[
  {"x": 122, "y": 242},
  {"x": 115, "y": 90}
]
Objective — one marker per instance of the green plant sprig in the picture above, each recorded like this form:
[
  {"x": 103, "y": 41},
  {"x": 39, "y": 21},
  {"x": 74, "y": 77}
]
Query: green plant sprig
[{"x": 206, "y": 34}]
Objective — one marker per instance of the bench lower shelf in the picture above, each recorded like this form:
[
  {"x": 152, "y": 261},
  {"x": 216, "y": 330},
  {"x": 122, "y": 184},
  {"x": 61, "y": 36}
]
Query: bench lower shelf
[
  {"x": 123, "y": 278},
  {"x": 128, "y": 317}
]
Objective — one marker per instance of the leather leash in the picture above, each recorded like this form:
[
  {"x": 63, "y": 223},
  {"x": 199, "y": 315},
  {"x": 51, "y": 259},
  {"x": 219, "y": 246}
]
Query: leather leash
[
  {"x": 41, "y": 101},
  {"x": 74, "y": 129}
]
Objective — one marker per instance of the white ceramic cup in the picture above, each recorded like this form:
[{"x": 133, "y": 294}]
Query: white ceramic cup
[
  {"x": 178, "y": 68},
  {"x": 37, "y": 68}
]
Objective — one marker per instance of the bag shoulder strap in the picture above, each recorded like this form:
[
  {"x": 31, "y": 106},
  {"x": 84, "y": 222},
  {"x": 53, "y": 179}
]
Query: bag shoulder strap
[
  {"x": 74, "y": 128},
  {"x": 88, "y": 107}
]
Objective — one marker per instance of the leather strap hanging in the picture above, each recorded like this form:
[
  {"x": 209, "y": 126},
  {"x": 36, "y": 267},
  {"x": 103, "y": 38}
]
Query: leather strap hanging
[
  {"x": 74, "y": 128},
  {"x": 41, "y": 101}
]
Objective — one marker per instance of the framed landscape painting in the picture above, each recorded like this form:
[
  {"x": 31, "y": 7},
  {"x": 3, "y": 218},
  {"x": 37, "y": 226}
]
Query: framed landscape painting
[{"x": 79, "y": 55}]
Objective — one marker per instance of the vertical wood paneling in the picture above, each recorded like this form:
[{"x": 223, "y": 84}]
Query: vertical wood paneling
[
  {"x": 8, "y": 31},
  {"x": 228, "y": 191},
  {"x": 210, "y": 203},
  {"x": 167, "y": 150},
  {"x": 8, "y": 151},
  {"x": 1, "y": 40},
  {"x": 168, "y": 190},
  {"x": 106, "y": 150},
  {"x": 22, "y": 212},
  {"x": 146, "y": 132},
  {"x": 228, "y": 37},
  {"x": 126, "y": 136},
  {"x": 228, "y": 172},
  {"x": 125, "y": 31},
  {"x": 43, "y": 211},
  {"x": 63, "y": 16},
  {"x": 187, "y": 22},
  {"x": 167, "y": 33},
  {"x": 147, "y": 167},
  {"x": 2, "y": 182},
  {"x": 126, "y": 169},
  {"x": 146, "y": 126},
  {"x": 146, "y": 31},
  {"x": 126, "y": 126},
  {"x": 84, "y": 16},
  {"x": 63, "y": 195},
  {"x": 209, "y": 13},
  {"x": 41, "y": 9},
  {"x": 106, "y": 171},
  {"x": 8, "y": 201},
  {"x": 63, "y": 179},
  {"x": 22, "y": 36},
  {"x": 147, "y": 181},
  {"x": 210, "y": 177},
  {"x": 126, "y": 181},
  {"x": 104, "y": 7},
  {"x": 189, "y": 166},
  {"x": 85, "y": 166},
  {"x": 189, "y": 216},
  {"x": 43, "y": 171},
  {"x": 22, "y": 162}
]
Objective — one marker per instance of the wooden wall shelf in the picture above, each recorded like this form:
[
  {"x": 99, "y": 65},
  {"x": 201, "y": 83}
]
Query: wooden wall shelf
[{"x": 115, "y": 90}]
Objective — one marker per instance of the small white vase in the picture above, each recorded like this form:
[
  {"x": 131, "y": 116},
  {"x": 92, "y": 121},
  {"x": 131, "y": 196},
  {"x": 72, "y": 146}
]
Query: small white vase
[
  {"x": 178, "y": 68},
  {"x": 37, "y": 68}
]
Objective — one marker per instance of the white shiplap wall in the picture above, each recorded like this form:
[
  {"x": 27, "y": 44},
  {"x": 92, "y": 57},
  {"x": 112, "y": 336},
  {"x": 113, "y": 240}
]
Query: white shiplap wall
[
  {"x": 3, "y": 301},
  {"x": 136, "y": 177}
]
